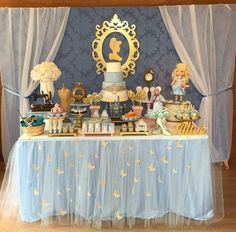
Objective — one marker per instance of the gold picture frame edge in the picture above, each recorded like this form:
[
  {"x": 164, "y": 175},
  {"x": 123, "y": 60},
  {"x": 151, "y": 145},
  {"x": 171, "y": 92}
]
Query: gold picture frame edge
[{"x": 115, "y": 25}]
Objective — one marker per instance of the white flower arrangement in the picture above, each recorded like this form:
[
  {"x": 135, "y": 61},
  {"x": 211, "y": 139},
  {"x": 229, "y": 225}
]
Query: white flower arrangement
[{"x": 45, "y": 71}]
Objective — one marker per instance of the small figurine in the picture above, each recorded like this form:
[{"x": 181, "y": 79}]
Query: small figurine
[
  {"x": 180, "y": 79},
  {"x": 157, "y": 99}
]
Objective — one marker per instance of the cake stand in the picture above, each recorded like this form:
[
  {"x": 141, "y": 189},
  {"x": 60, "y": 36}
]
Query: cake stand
[{"x": 80, "y": 109}]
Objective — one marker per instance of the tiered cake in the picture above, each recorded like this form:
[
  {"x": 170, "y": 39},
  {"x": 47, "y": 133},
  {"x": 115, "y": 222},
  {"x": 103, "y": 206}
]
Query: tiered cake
[{"x": 114, "y": 86}]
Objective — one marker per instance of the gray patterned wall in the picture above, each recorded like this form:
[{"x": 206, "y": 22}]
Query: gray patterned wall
[{"x": 156, "y": 50}]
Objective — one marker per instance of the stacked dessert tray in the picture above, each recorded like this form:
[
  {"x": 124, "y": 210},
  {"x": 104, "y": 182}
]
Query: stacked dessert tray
[{"x": 78, "y": 110}]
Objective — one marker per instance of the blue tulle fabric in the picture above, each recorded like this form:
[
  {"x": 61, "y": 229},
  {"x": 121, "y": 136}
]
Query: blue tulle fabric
[{"x": 95, "y": 180}]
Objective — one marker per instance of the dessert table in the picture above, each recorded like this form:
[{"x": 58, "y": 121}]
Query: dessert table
[{"x": 95, "y": 179}]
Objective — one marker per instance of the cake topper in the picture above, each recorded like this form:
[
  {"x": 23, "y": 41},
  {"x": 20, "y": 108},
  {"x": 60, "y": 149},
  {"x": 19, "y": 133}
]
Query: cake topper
[
  {"x": 115, "y": 47},
  {"x": 123, "y": 28}
]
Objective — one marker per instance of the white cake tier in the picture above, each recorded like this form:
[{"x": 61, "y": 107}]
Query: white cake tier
[
  {"x": 108, "y": 84},
  {"x": 113, "y": 77},
  {"x": 109, "y": 96},
  {"x": 113, "y": 67}
]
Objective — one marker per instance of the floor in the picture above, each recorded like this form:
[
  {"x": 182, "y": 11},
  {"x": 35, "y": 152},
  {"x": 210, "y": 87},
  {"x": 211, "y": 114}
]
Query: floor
[{"x": 225, "y": 225}]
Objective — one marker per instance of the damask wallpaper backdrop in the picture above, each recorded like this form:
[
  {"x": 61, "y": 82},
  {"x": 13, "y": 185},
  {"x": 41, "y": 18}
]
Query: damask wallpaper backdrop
[{"x": 156, "y": 50}]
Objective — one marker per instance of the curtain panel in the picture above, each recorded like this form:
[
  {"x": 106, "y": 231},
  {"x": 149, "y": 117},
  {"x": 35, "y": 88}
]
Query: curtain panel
[
  {"x": 205, "y": 39},
  {"x": 28, "y": 36}
]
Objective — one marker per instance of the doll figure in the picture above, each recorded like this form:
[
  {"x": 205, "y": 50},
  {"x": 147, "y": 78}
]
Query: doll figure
[
  {"x": 180, "y": 79},
  {"x": 157, "y": 99}
]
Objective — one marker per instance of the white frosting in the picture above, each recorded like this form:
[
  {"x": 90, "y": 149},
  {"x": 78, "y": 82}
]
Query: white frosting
[
  {"x": 109, "y": 96},
  {"x": 113, "y": 67}
]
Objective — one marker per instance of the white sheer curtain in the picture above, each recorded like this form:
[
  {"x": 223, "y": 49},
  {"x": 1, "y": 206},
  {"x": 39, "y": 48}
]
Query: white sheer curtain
[
  {"x": 205, "y": 38},
  {"x": 28, "y": 36}
]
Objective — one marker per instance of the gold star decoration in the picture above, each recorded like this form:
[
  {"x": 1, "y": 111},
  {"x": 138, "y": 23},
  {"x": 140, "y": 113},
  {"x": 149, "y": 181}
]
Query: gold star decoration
[
  {"x": 133, "y": 192},
  {"x": 66, "y": 154},
  {"x": 45, "y": 204},
  {"x": 151, "y": 168},
  {"x": 116, "y": 194},
  {"x": 159, "y": 180},
  {"x": 148, "y": 194},
  {"x": 175, "y": 171},
  {"x": 104, "y": 143},
  {"x": 138, "y": 161},
  {"x": 59, "y": 171},
  {"x": 71, "y": 164},
  {"x": 58, "y": 192},
  {"x": 178, "y": 144},
  {"x": 123, "y": 173},
  {"x": 90, "y": 166},
  {"x": 35, "y": 167},
  {"x": 164, "y": 160},
  {"x": 62, "y": 212},
  {"x": 151, "y": 152},
  {"x": 188, "y": 166},
  {"x": 36, "y": 192},
  {"x": 118, "y": 216},
  {"x": 68, "y": 189},
  {"x": 168, "y": 147},
  {"x": 128, "y": 163},
  {"x": 102, "y": 182}
]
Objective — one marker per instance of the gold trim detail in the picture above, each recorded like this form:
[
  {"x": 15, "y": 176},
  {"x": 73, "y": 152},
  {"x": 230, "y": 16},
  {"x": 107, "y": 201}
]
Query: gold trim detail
[{"x": 122, "y": 27}]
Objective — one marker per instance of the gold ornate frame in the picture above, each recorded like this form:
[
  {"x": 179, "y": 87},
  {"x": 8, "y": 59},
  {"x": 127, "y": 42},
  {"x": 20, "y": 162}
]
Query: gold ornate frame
[{"x": 115, "y": 25}]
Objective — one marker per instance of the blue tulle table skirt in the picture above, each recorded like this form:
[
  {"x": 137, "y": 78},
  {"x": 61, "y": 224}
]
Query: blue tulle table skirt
[{"x": 113, "y": 179}]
